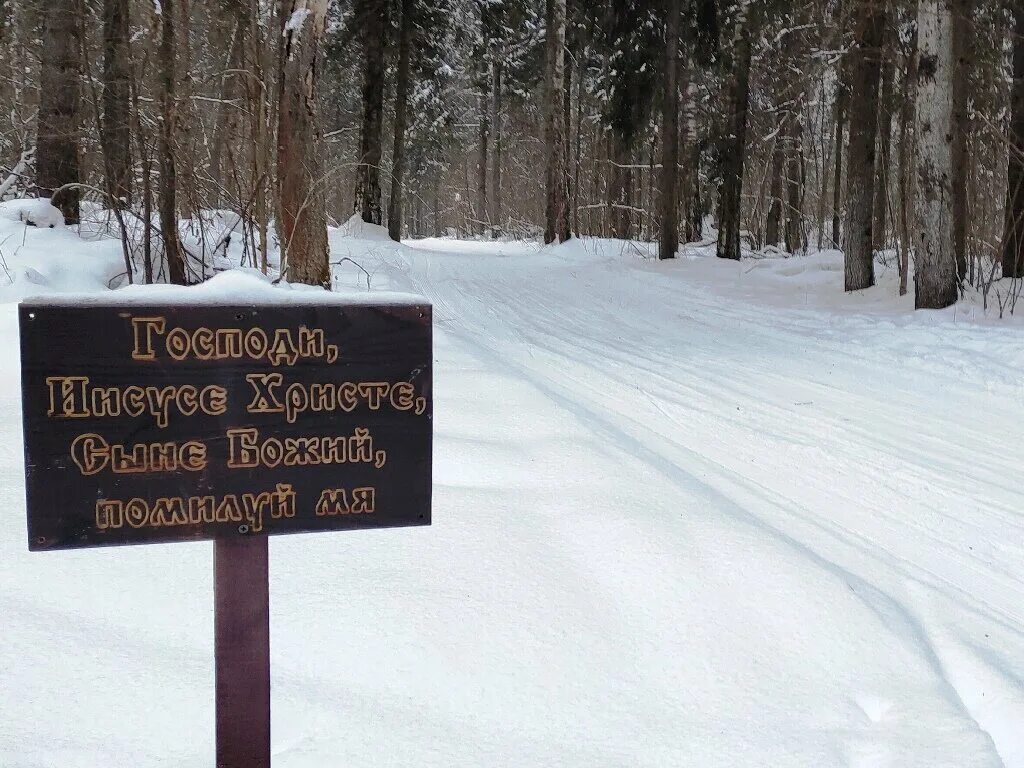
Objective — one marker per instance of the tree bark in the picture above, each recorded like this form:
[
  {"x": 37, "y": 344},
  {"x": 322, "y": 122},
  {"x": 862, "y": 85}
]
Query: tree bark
[
  {"x": 907, "y": 159},
  {"x": 963, "y": 63},
  {"x": 794, "y": 234},
  {"x": 484, "y": 142},
  {"x": 734, "y": 146},
  {"x": 116, "y": 132},
  {"x": 225, "y": 127},
  {"x": 935, "y": 271},
  {"x": 372, "y": 19},
  {"x": 693, "y": 204},
  {"x": 880, "y": 215},
  {"x": 302, "y": 221},
  {"x": 401, "y": 106},
  {"x": 57, "y": 161},
  {"x": 557, "y": 206},
  {"x": 773, "y": 227},
  {"x": 168, "y": 185},
  {"x": 620, "y": 188},
  {"x": 842, "y": 95},
  {"x": 669, "y": 193},
  {"x": 865, "y": 64},
  {"x": 496, "y": 211},
  {"x": 1013, "y": 227}
]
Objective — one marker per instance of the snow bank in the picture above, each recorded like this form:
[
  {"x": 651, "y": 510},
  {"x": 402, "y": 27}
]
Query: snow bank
[
  {"x": 36, "y": 260},
  {"x": 85, "y": 263},
  {"x": 237, "y": 286}
]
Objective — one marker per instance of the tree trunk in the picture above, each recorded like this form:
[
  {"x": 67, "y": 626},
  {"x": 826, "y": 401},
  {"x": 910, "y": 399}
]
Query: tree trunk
[
  {"x": 1013, "y": 228},
  {"x": 372, "y": 19},
  {"x": 620, "y": 189},
  {"x": 116, "y": 131},
  {"x": 734, "y": 145},
  {"x": 842, "y": 95},
  {"x": 935, "y": 273},
  {"x": 773, "y": 227},
  {"x": 496, "y": 212},
  {"x": 963, "y": 62},
  {"x": 567, "y": 125},
  {"x": 880, "y": 215},
  {"x": 260, "y": 132},
  {"x": 168, "y": 188},
  {"x": 694, "y": 205},
  {"x": 669, "y": 193},
  {"x": 557, "y": 206},
  {"x": 907, "y": 170},
  {"x": 484, "y": 136},
  {"x": 225, "y": 127},
  {"x": 302, "y": 221},
  {"x": 401, "y": 105},
  {"x": 794, "y": 234},
  {"x": 865, "y": 64},
  {"x": 59, "y": 121}
]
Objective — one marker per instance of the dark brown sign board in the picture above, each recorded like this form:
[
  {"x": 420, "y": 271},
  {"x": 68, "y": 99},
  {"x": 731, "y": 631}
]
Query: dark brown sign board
[
  {"x": 156, "y": 423},
  {"x": 148, "y": 423}
]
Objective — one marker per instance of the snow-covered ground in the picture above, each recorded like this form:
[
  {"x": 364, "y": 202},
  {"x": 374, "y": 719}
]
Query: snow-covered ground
[{"x": 685, "y": 514}]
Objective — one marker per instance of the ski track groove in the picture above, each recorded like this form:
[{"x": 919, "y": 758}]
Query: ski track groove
[{"x": 637, "y": 369}]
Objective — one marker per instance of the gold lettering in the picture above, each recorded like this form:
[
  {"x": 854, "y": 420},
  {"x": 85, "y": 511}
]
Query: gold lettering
[
  {"x": 90, "y": 453},
  {"x": 264, "y": 399},
  {"x": 143, "y": 328},
  {"x": 213, "y": 400},
  {"x": 363, "y": 500},
  {"x": 136, "y": 512},
  {"x": 178, "y": 344},
  {"x": 67, "y": 397},
  {"x": 311, "y": 341},
  {"x": 202, "y": 344},
  {"x": 255, "y": 343},
  {"x": 332, "y": 501},
  {"x": 228, "y": 343},
  {"x": 242, "y": 448},
  {"x": 373, "y": 391},
  {"x": 109, "y": 514}
]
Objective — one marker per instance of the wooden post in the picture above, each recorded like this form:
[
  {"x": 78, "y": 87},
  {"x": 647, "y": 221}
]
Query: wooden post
[{"x": 242, "y": 652}]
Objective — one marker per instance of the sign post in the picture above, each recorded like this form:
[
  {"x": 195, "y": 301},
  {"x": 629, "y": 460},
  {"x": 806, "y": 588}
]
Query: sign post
[
  {"x": 164, "y": 423},
  {"x": 241, "y": 641}
]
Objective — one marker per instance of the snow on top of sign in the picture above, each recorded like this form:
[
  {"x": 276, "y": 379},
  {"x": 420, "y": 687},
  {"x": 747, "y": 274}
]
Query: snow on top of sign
[{"x": 237, "y": 286}]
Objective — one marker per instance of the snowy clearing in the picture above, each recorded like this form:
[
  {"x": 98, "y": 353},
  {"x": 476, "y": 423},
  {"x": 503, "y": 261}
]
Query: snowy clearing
[{"x": 676, "y": 523}]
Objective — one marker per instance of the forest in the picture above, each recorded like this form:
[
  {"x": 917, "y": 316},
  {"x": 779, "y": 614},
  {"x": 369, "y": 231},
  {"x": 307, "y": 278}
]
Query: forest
[{"x": 892, "y": 130}]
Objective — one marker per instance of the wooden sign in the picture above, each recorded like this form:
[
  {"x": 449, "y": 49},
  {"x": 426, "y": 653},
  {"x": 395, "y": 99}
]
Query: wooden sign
[{"x": 173, "y": 423}]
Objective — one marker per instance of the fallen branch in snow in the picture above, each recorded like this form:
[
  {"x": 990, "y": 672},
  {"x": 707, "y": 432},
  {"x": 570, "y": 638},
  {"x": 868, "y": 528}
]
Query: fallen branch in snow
[{"x": 361, "y": 267}]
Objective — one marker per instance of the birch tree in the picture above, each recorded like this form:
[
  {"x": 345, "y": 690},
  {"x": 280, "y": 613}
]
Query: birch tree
[{"x": 935, "y": 272}]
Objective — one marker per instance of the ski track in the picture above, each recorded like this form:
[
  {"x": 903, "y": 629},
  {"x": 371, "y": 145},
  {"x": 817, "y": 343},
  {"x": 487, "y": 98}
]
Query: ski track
[
  {"x": 652, "y": 370},
  {"x": 673, "y": 526}
]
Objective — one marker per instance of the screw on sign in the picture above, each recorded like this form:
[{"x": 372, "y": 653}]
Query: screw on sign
[{"x": 160, "y": 423}]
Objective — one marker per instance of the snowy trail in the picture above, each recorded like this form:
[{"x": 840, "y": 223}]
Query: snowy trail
[
  {"x": 674, "y": 526},
  {"x": 885, "y": 484}
]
